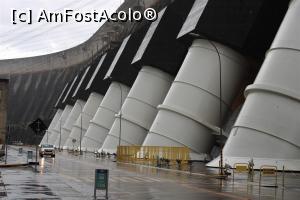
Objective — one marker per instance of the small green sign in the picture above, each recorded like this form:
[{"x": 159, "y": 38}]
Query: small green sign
[{"x": 101, "y": 179}]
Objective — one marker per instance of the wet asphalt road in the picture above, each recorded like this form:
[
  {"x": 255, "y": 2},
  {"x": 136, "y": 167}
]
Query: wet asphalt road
[{"x": 71, "y": 177}]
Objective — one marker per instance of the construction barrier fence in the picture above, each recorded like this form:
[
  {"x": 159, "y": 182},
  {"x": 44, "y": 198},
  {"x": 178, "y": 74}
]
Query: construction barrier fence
[{"x": 153, "y": 155}]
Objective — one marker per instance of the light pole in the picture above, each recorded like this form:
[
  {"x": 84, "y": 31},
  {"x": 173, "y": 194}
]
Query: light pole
[
  {"x": 80, "y": 132},
  {"x": 59, "y": 135},
  {"x": 121, "y": 102},
  {"x": 36, "y": 146},
  {"x": 6, "y": 142},
  {"x": 220, "y": 108},
  {"x": 120, "y": 115},
  {"x": 80, "y": 129},
  {"x": 220, "y": 98},
  {"x": 47, "y": 136},
  {"x": 80, "y": 138}
]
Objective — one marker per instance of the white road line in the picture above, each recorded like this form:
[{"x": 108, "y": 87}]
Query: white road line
[
  {"x": 131, "y": 179},
  {"x": 144, "y": 179},
  {"x": 112, "y": 179},
  {"x": 154, "y": 179},
  {"x": 123, "y": 180},
  {"x": 87, "y": 179}
]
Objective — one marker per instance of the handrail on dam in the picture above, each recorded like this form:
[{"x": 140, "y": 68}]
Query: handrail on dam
[{"x": 153, "y": 155}]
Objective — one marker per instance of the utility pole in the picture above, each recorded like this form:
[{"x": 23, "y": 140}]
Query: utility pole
[
  {"x": 36, "y": 146},
  {"x": 121, "y": 102},
  {"x": 220, "y": 106},
  {"x": 59, "y": 135},
  {"x": 80, "y": 130},
  {"x": 80, "y": 137},
  {"x": 47, "y": 136}
]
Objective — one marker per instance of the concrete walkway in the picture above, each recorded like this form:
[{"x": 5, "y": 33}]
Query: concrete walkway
[{"x": 71, "y": 177}]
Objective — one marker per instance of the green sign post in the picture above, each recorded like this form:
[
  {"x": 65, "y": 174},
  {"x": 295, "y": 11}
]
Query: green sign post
[{"x": 101, "y": 181}]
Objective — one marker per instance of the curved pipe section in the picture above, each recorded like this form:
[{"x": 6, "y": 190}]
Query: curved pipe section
[
  {"x": 53, "y": 123},
  {"x": 190, "y": 111},
  {"x": 267, "y": 128},
  {"x": 139, "y": 109},
  {"x": 67, "y": 126},
  {"x": 57, "y": 129},
  {"x": 82, "y": 123},
  {"x": 101, "y": 123}
]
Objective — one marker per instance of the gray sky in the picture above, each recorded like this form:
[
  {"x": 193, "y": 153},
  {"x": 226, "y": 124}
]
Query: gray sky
[{"x": 23, "y": 40}]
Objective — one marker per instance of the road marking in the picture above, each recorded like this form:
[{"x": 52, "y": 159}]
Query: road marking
[
  {"x": 88, "y": 179},
  {"x": 131, "y": 179},
  {"x": 115, "y": 179},
  {"x": 111, "y": 179},
  {"x": 144, "y": 179},
  {"x": 154, "y": 179},
  {"x": 123, "y": 180}
]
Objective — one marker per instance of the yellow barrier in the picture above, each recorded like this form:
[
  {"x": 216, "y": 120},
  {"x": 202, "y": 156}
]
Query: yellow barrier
[
  {"x": 153, "y": 155},
  {"x": 240, "y": 168},
  {"x": 268, "y": 170}
]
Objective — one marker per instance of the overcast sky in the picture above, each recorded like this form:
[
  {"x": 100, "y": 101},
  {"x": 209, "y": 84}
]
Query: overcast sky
[{"x": 23, "y": 40}]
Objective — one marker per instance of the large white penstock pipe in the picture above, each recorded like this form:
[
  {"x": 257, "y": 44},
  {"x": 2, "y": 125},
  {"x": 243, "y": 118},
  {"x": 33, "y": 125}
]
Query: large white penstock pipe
[
  {"x": 53, "y": 123},
  {"x": 190, "y": 111},
  {"x": 101, "y": 123},
  {"x": 55, "y": 133},
  {"x": 268, "y": 126},
  {"x": 139, "y": 109},
  {"x": 82, "y": 122}
]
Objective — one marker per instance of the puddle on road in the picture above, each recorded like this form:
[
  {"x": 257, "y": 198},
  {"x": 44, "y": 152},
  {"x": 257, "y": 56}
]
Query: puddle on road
[
  {"x": 22, "y": 185},
  {"x": 32, "y": 189}
]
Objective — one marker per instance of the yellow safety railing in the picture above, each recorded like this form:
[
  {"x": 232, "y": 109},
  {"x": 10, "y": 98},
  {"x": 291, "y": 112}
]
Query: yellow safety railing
[{"x": 153, "y": 155}]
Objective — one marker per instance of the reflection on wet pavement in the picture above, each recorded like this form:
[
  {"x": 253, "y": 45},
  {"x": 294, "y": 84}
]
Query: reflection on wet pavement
[{"x": 72, "y": 177}]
